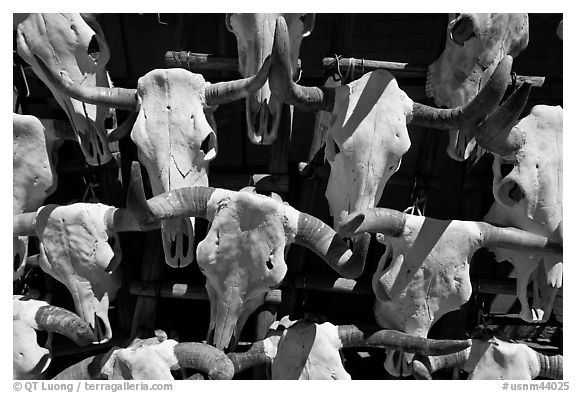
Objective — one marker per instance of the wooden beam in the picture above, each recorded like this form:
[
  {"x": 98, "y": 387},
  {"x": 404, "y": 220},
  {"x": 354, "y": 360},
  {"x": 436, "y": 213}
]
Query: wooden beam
[
  {"x": 403, "y": 70},
  {"x": 201, "y": 61}
]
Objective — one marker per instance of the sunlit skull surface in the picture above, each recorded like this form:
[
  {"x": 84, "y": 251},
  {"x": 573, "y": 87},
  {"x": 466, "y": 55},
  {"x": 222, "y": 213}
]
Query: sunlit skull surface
[
  {"x": 528, "y": 195},
  {"x": 255, "y": 35},
  {"x": 475, "y": 44},
  {"x": 77, "y": 250},
  {"x": 29, "y": 359},
  {"x": 176, "y": 144},
  {"x": 67, "y": 45}
]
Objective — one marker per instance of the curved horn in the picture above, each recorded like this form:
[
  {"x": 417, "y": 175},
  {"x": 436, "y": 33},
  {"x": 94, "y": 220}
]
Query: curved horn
[
  {"x": 87, "y": 369},
  {"x": 223, "y": 92},
  {"x": 23, "y": 224},
  {"x": 59, "y": 320},
  {"x": 517, "y": 239},
  {"x": 253, "y": 357},
  {"x": 186, "y": 201},
  {"x": 374, "y": 220},
  {"x": 205, "y": 358},
  {"x": 485, "y": 102},
  {"x": 352, "y": 336},
  {"x": 424, "y": 366},
  {"x": 550, "y": 366},
  {"x": 497, "y": 133},
  {"x": 319, "y": 238},
  {"x": 113, "y": 97},
  {"x": 280, "y": 79}
]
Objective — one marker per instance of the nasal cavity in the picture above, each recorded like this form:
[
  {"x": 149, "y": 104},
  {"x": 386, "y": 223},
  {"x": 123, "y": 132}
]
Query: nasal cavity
[
  {"x": 205, "y": 146},
  {"x": 505, "y": 169},
  {"x": 349, "y": 243},
  {"x": 99, "y": 329},
  {"x": 185, "y": 242},
  {"x": 173, "y": 245},
  {"x": 93, "y": 47}
]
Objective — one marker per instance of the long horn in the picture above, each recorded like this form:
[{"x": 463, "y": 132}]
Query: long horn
[
  {"x": 23, "y": 224},
  {"x": 223, "y": 92},
  {"x": 319, "y": 238},
  {"x": 205, "y": 358},
  {"x": 476, "y": 111},
  {"x": 424, "y": 366},
  {"x": 280, "y": 79},
  {"x": 517, "y": 239},
  {"x": 497, "y": 133},
  {"x": 59, "y": 320},
  {"x": 113, "y": 97},
  {"x": 253, "y": 357},
  {"x": 374, "y": 220},
  {"x": 352, "y": 336},
  {"x": 87, "y": 369},
  {"x": 183, "y": 202},
  {"x": 550, "y": 366}
]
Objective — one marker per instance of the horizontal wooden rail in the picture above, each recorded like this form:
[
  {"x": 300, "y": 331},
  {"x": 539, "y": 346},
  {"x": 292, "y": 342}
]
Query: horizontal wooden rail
[
  {"x": 201, "y": 61},
  {"x": 403, "y": 70}
]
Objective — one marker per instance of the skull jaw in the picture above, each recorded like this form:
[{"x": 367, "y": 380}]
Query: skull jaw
[{"x": 178, "y": 241}]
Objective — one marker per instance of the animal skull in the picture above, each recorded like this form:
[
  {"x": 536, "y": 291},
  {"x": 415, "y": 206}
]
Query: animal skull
[
  {"x": 475, "y": 44},
  {"x": 368, "y": 135},
  {"x": 255, "y": 34},
  {"x": 71, "y": 49},
  {"x": 528, "y": 190},
  {"x": 174, "y": 139},
  {"x": 152, "y": 359},
  {"x": 29, "y": 359},
  {"x": 494, "y": 359},
  {"x": 424, "y": 272}
]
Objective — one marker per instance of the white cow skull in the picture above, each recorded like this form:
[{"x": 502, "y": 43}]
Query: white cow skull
[
  {"x": 424, "y": 272},
  {"x": 528, "y": 195},
  {"x": 475, "y": 44},
  {"x": 174, "y": 139},
  {"x": 495, "y": 360},
  {"x": 255, "y": 35},
  {"x": 29, "y": 359},
  {"x": 34, "y": 177},
  {"x": 152, "y": 359},
  {"x": 368, "y": 135},
  {"x": 71, "y": 49},
  {"x": 308, "y": 349}
]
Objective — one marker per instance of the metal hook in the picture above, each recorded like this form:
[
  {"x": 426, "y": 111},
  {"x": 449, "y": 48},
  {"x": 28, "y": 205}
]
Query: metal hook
[
  {"x": 338, "y": 75},
  {"x": 160, "y": 20}
]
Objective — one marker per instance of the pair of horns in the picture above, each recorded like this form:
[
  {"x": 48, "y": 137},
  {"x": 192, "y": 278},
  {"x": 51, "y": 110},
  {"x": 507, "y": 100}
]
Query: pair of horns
[
  {"x": 423, "y": 366},
  {"x": 352, "y": 336},
  {"x": 482, "y": 114},
  {"x": 120, "y": 98},
  {"x": 392, "y": 223},
  {"x": 198, "y": 356}
]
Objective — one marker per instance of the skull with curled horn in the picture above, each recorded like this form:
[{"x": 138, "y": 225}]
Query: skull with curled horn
[
  {"x": 255, "y": 35},
  {"x": 368, "y": 136},
  {"x": 79, "y": 247},
  {"x": 493, "y": 360},
  {"x": 151, "y": 359},
  {"x": 475, "y": 44},
  {"x": 305, "y": 349},
  {"x": 424, "y": 272},
  {"x": 29, "y": 359},
  {"x": 242, "y": 255},
  {"x": 175, "y": 141},
  {"x": 72, "y": 49}
]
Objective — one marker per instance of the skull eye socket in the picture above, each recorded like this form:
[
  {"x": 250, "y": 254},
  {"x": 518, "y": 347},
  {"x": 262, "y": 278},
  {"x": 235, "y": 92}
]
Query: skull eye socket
[
  {"x": 461, "y": 30},
  {"x": 269, "y": 264},
  {"x": 208, "y": 146},
  {"x": 505, "y": 169},
  {"x": 94, "y": 48}
]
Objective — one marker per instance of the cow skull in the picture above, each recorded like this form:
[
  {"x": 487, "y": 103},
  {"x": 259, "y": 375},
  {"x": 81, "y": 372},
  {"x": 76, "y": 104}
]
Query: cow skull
[
  {"x": 80, "y": 248},
  {"x": 29, "y": 359},
  {"x": 368, "y": 135},
  {"x": 151, "y": 359},
  {"x": 71, "y": 49},
  {"x": 174, "y": 139},
  {"x": 475, "y": 44},
  {"x": 255, "y": 34},
  {"x": 424, "y": 272},
  {"x": 34, "y": 143},
  {"x": 307, "y": 349},
  {"x": 528, "y": 189},
  {"x": 494, "y": 359}
]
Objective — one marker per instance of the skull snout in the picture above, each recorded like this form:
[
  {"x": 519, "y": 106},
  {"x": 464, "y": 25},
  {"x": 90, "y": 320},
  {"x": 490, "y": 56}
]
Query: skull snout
[
  {"x": 94, "y": 146},
  {"x": 228, "y": 309},
  {"x": 263, "y": 117},
  {"x": 178, "y": 241}
]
